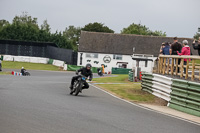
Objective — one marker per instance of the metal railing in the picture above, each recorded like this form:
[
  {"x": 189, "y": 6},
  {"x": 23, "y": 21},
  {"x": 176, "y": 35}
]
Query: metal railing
[{"x": 174, "y": 65}]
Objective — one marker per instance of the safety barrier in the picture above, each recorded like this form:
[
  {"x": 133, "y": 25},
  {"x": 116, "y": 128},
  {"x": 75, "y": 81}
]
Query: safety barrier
[
  {"x": 120, "y": 70},
  {"x": 185, "y": 96},
  {"x": 25, "y": 59},
  {"x": 65, "y": 67},
  {"x": 158, "y": 85},
  {"x": 130, "y": 76},
  {"x": 16, "y": 73},
  {"x": 58, "y": 63},
  {"x": 35, "y": 60},
  {"x": 181, "y": 95},
  {"x": 74, "y": 68}
]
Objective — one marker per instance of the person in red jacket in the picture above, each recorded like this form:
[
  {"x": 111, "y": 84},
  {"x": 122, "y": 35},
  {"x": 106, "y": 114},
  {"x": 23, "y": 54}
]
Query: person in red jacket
[{"x": 185, "y": 51}]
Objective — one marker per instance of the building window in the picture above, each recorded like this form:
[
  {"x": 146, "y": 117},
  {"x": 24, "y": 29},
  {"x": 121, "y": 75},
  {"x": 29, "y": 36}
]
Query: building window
[
  {"x": 91, "y": 55},
  {"x": 117, "y": 57}
]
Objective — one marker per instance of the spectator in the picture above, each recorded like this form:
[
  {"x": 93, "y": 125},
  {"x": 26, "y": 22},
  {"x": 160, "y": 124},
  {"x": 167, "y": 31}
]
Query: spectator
[
  {"x": 161, "y": 48},
  {"x": 166, "y": 49},
  {"x": 198, "y": 45},
  {"x": 176, "y": 46},
  {"x": 185, "y": 51},
  {"x": 0, "y": 65}
]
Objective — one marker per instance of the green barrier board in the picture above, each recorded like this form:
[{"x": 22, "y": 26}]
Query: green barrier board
[
  {"x": 74, "y": 68},
  {"x": 50, "y": 61},
  {"x": 183, "y": 109},
  {"x": 120, "y": 71}
]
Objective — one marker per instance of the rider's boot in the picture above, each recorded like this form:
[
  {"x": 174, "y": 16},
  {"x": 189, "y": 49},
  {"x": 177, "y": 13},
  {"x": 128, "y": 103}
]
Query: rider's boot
[{"x": 71, "y": 90}]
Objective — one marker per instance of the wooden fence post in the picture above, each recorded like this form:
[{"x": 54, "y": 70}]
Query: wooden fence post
[
  {"x": 164, "y": 65},
  {"x": 181, "y": 68},
  {"x": 193, "y": 67},
  {"x": 187, "y": 67},
  {"x": 176, "y": 66},
  {"x": 172, "y": 67},
  {"x": 168, "y": 65},
  {"x": 161, "y": 64}
]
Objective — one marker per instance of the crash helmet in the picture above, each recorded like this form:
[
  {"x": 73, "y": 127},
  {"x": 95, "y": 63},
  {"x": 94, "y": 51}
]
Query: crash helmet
[{"x": 88, "y": 66}]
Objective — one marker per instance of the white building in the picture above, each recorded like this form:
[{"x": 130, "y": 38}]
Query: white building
[
  {"x": 112, "y": 61},
  {"x": 116, "y": 50}
]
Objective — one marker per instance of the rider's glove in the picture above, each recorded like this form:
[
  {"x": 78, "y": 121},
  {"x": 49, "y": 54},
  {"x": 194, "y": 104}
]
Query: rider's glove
[
  {"x": 90, "y": 79},
  {"x": 76, "y": 73}
]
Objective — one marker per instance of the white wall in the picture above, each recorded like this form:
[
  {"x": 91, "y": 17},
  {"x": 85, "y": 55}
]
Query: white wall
[
  {"x": 113, "y": 63},
  {"x": 34, "y": 60},
  {"x": 58, "y": 63},
  {"x": 26, "y": 59}
]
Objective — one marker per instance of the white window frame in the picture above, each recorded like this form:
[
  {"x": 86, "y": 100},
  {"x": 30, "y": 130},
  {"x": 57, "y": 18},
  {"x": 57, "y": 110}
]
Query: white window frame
[
  {"x": 92, "y": 55},
  {"x": 116, "y": 57}
]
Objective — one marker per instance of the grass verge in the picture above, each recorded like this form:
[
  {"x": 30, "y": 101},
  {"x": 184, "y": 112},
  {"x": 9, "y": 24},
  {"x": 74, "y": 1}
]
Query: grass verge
[
  {"x": 28, "y": 66},
  {"x": 118, "y": 79},
  {"x": 129, "y": 91}
]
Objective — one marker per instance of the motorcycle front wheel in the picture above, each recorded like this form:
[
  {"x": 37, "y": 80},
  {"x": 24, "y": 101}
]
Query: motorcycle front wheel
[{"x": 78, "y": 89}]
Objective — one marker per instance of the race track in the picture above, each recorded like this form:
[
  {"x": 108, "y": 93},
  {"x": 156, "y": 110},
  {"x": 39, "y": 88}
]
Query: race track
[{"x": 41, "y": 104}]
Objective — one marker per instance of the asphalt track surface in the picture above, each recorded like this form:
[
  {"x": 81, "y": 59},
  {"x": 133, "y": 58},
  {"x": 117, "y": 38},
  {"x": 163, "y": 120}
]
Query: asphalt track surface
[{"x": 41, "y": 104}]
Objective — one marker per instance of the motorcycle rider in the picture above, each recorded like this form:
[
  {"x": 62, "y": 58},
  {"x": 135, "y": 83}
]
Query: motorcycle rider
[
  {"x": 23, "y": 71},
  {"x": 99, "y": 72},
  {"x": 85, "y": 71}
]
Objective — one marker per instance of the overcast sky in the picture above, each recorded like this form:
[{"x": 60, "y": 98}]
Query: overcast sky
[{"x": 176, "y": 17}]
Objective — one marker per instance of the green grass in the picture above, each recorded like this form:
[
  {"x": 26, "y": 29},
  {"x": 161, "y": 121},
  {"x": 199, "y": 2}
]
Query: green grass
[
  {"x": 5, "y": 73},
  {"x": 129, "y": 91},
  {"x": 197, "y": 61},
  {"x": 28, "y": 66},
  {"x": 118, "y": 79}
]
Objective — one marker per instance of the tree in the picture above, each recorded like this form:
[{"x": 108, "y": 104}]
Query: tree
[
  {"x": 45, "y": 26},
  {"x": 72, "y": 34},
  {"x": 196, "y": 36},
  {"x": 25, "y": 28},
  {"x": 3, "y": 23},
  {"x": 139, "y": 29},
  {"x": 97, "y": 27},
  {"x": 45, "y": 32},
  {"x": 61, "y": 40},
  {"x": 25, "y": 19}
]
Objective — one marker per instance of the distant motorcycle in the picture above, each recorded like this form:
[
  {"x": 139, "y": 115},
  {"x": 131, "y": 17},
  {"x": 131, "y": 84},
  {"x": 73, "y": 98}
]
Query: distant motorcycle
[
  {"x": 26, "y": 73},
  {"x": 99, "y": 72},
  {"x": 78, "y": 84}
]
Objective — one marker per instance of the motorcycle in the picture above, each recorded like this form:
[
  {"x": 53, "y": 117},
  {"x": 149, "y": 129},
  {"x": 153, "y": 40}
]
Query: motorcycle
[
  {"x": 26, "y": 73},
  {"x": 78, "y": 84},
  {"x": 99, "y": 72}
]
